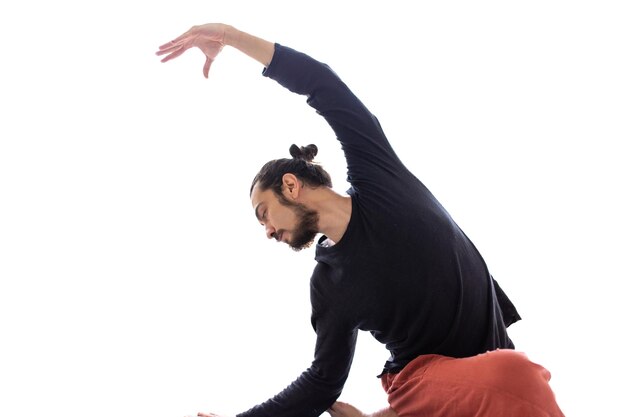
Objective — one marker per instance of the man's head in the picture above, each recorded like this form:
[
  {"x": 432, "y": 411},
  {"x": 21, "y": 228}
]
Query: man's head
[{"x": 276, "y": 193}]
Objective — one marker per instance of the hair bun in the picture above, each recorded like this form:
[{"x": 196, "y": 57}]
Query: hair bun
[{"x": 303, "y": 152}]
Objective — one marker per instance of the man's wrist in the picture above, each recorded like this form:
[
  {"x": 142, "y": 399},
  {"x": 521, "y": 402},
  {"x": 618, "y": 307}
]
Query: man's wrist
[{"x": 231, "y": 35}]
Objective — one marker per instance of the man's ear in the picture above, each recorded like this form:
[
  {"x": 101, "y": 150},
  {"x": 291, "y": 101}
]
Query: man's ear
[{"x": 291, "y": 186}]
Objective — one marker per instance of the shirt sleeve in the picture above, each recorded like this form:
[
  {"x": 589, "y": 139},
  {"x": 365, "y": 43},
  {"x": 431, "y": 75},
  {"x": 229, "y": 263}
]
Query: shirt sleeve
[
  {"x": 368, "y": 153},
  {"x": 317, "y": 388}
]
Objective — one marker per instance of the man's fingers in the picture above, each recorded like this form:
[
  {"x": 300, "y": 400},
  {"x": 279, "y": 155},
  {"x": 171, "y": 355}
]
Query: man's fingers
[
  {"x": 184, "y": 35},
  {"x": 173, "y": 44},
  {"x": 166, "y": 46},
  {"x": 174, "y": 54},
  {"x": 169, "y": 47},
  {"x": 184, "y": 41}
]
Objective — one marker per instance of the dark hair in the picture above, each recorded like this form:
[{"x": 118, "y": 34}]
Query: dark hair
[{"x": 301, "y": 165}]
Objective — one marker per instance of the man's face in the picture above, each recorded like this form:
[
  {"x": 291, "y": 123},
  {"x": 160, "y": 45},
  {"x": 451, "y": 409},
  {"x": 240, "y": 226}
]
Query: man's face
[{"x": 284, "y": 220}]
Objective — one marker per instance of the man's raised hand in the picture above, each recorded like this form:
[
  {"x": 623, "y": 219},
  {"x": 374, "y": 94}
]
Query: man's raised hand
[{"x": 209, "y": 38}]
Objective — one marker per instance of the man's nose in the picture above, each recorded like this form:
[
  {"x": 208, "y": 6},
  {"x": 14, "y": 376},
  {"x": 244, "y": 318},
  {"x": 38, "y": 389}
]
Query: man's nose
[{"x": 269, "y": 231}]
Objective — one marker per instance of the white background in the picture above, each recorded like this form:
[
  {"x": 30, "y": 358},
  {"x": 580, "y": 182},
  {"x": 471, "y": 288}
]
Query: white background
[{"x": 134, "y": 278}]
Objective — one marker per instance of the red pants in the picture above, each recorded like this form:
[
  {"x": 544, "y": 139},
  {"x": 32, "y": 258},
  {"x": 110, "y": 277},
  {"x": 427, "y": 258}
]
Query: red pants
[{"x": 498, "y": 383}]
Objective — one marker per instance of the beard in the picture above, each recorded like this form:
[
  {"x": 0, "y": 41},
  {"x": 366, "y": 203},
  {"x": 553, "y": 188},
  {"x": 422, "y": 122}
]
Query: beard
[{"x": 306, "y": 228}]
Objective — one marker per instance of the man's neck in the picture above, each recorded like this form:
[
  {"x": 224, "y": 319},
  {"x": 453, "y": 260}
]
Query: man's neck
[{"x": 335, "y": 211}]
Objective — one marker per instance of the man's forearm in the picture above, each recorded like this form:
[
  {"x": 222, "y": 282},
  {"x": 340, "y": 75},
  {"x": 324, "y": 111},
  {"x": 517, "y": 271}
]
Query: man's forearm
[{"x": 255, "y": 47}]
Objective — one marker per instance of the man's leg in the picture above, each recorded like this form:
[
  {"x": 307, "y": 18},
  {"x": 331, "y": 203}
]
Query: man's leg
[{"x": 498, "y": 383}]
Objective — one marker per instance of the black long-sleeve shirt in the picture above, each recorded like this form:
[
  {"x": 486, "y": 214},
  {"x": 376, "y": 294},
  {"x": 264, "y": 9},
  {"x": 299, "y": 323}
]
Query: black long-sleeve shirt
[{"x": 403, "y": 270}]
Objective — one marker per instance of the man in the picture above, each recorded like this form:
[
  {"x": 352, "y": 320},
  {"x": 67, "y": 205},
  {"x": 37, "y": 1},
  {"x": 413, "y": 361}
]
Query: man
[{"x": 390, "y": 261}]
